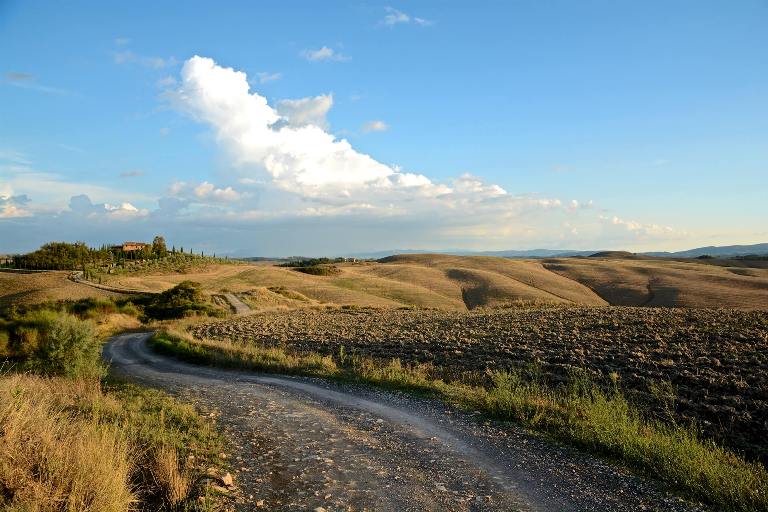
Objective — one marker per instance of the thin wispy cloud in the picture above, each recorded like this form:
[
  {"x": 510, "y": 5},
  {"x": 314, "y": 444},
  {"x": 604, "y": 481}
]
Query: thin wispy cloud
[
  {"x": 129, "y": 57},
  {"x": 133, "y": 173},
  {"x": 375, "y": 126},
  {"x": 265, "y": 77},
  {"x": 396, "y": 17},
  {"x": 15, "y": 76},
  {"x": 122, "y": 41},
  {"x": 72, "y": 149},
  {"x": 165, "y": 82},
  {"x": 323, "y": 53},
  {"x": 27, "y": 81}
]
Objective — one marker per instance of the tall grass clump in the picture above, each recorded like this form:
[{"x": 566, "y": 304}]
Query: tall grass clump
[
  {"x": 50, "y": 461},
  {"x": 73, "y": 445},
  {"x": 581, "y": 413}
]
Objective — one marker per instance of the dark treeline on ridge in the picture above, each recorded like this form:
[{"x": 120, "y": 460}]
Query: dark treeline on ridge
[{"x": 79, "y": 256}]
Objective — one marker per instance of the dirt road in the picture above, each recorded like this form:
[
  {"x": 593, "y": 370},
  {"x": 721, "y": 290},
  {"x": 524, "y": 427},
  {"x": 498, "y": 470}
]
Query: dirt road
[
  {"x": 239, "y": 307},
  {"x": 300, "y": 444}
]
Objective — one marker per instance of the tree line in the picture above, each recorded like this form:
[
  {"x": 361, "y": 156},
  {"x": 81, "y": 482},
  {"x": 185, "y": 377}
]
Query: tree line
[{"x": 79, "y": 256}]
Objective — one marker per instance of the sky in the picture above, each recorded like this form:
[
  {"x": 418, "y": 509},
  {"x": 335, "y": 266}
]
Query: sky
[{"x": 275, "y": 129}]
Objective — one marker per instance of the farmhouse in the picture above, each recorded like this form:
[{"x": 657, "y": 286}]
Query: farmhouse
[{"x": 130, "y": 246}]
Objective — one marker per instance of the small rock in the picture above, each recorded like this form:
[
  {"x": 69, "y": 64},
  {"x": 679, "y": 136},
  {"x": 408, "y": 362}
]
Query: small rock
[{"x": 227, "y": 480}]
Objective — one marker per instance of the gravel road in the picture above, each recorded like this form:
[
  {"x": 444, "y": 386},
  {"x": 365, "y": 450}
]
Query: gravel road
[
  {"x": 302, "y": 443},
  {"x": 239, "y": 307}
]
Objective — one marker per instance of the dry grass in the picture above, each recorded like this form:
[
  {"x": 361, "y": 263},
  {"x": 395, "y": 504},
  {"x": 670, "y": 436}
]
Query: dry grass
[
  {"x": 51, "y": 461},
  {"x": 67, "y": 445},
  {"x": 174, "y": 482},
  {"x": 34, "y": 288}
]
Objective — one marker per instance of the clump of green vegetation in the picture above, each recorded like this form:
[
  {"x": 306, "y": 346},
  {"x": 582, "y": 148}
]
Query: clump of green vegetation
[
  {"x": 581, "y": 413},
  {"x": 319, "y": 270},
  {"x": 173, "y": 262},
  {"x": 289, "y": 294},
  {"x": 52, "y": 343},
  {"x": 310, "y": 262},
  {"x": 183, "y": 300}
]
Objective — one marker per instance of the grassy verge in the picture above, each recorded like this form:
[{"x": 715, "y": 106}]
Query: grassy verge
[
  {"x": 70, "y": 444},
  {"x": 70, "y": 440},
  {"x": 581, "y": 414}
]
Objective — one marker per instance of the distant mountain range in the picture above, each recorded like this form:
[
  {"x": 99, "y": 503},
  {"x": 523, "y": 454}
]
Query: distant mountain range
[
  {"x": 716, "y": 251},
  {"x": 530, "y": 253}
]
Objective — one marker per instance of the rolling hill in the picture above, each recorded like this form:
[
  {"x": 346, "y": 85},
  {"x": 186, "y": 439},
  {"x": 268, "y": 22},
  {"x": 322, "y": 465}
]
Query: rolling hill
[{"x": 468, "y": 282}]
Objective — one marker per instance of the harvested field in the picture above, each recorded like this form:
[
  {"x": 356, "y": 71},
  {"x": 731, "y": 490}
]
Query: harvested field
[
  {"x": 716, "y": 360},
  {"x": 36, "y": 287}
]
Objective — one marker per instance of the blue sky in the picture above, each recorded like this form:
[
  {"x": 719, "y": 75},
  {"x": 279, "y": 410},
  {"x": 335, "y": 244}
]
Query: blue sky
[{"x": 498, "y": 125}]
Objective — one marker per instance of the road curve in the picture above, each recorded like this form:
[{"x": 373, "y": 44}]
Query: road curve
[{"x": 302, "y": 443}]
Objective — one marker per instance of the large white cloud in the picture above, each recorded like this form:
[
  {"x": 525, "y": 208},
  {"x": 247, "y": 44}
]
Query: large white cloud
[
  {"x": 299, "y": 170},
  {"x": 293, "y": 149},
  {"x": 304, "y": 190}
]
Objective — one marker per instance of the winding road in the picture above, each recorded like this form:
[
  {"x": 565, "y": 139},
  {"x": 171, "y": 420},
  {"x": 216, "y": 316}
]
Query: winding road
[{"x": 308, "y": 444}]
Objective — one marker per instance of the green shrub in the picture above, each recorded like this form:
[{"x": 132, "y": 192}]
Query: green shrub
[
  {"x": 183, "y": 300},
  {"x": 5, "y": 347},
  {"x": 92, "y": 307},
  {"x": 67, "y": 346},
  {"x": 319, "y": 270},
  {"x": 27, "y": 339}
]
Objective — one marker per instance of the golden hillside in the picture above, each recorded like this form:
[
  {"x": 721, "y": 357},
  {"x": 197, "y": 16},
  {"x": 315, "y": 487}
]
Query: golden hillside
[
  {"x": 445, "y": 282},
  {"x": 30, "y": 288},
  {"x": 660, "y": 282}
]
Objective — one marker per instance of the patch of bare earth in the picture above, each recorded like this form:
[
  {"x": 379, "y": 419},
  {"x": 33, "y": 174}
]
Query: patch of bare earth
[{"x": 716, "y": 360}]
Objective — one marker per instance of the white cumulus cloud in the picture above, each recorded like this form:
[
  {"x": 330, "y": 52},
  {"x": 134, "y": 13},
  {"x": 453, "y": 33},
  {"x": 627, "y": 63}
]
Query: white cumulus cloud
[
  {"x": 306, "y": 111},
  {"x": 204, "y": 192},
  {"x": 293, "y": 169},
  {"x": 298, "y": 157}
]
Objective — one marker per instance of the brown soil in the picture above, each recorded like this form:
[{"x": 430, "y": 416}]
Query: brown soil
[{"x": 716, "y": 360}]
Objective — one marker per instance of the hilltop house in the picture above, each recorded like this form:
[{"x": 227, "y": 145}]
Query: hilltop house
[{"x": 130, "y": 246}]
